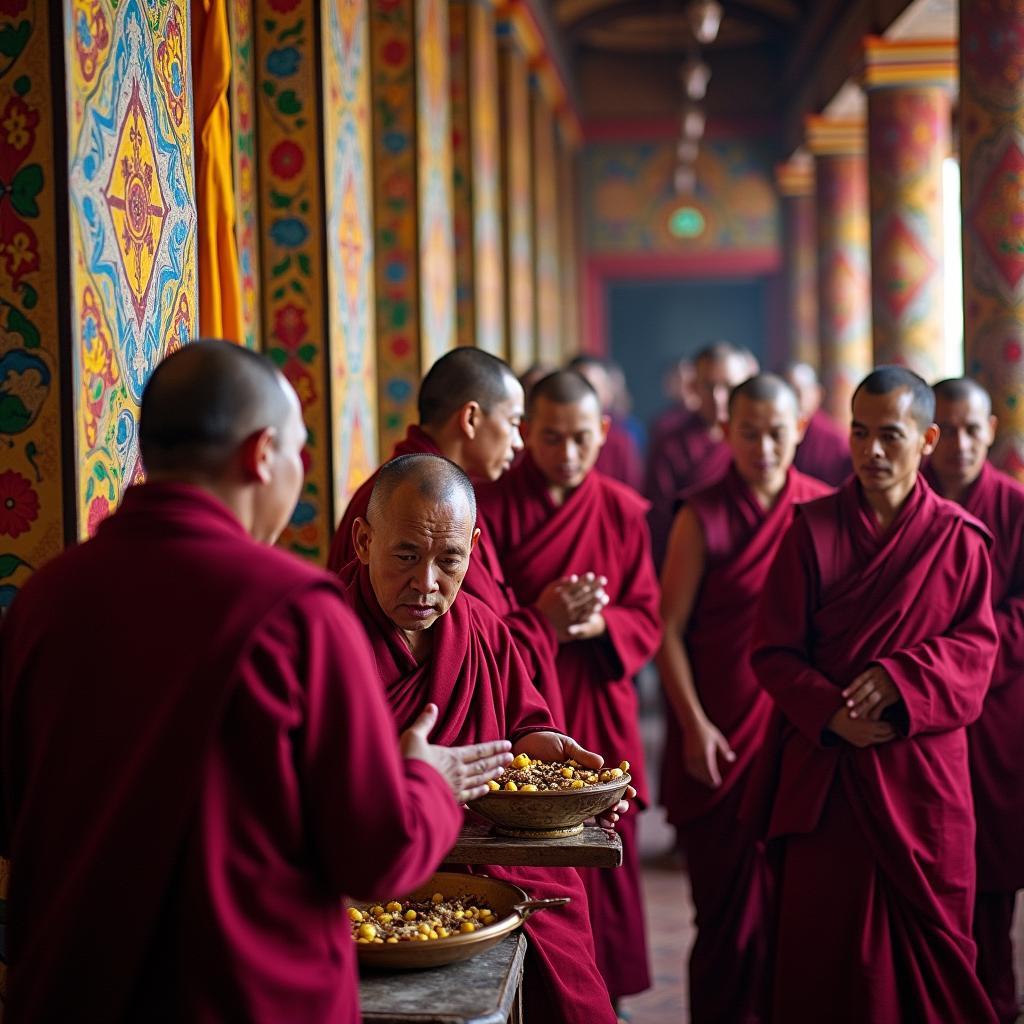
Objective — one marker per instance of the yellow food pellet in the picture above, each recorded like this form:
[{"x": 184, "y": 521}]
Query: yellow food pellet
[
  {"x": 392, "y": 941},
  {"x": 363, "y": 942},
  {"x": 432, "y": 934},
  {"x": 528, "y": 788},
  {"x": 367, "y": 931},
  {"x": 567, "y": 773},
  {"x": 442, "y": 933},
  {"x": 437, "y": 898},
  {"x": 424, "y": 929},
  {"x": 605, "y": 776},
  {"x": 384, "y": 918},
  {"x": 394, "y": 906},
  {"x": 522, "y": 761},
  {"x": 488, "y": 919},
  {"x": 577, "y": 784},
  {"x": 511, "y": 787},
  {"x": 467, "y": 926},
  {"x": 354, "y": 915},
  {"x": 615, "y": 773},
  {"x": 493, "y": 786},
  {"x": 624, "y": 766},
  {"x": 410, "y": 915},
  {"x": 376, "y": 909},
  {"x": 379, "y": 942},
  {"x": 459, "y": 915}
]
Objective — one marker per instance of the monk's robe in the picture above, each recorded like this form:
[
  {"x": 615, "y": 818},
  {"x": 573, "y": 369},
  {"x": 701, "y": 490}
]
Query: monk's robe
[
  {"x": 666, "y": 422},
  {"x": 534, "y": 635},
  {"x": 686, "y": 460},
  {"x": 995, "y": 741},
  {"x": 475, "y": 676},
  {"x": 878, "y": 871},
  {"x": 729, "y": 964},
  {"x": 620, "y": 457},
  {"x": 194, "y": 773},
  {"x": 599, "y": 528},
  {"x": 824, "y": 451}
]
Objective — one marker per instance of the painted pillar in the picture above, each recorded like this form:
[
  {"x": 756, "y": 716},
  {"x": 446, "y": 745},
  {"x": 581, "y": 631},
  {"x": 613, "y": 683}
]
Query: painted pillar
[
  {"x": 992, "y": 180},
  {"x": 795, "y": 180},
  {"x": 844, "y": 286},
  {"x": 476, "y": 181},
  {"x": 412, "y": 159},
  {"x": 547, "y": 257},
  {"x": 909, "y": 87},
  {"x": 568, "y": 236},
  {"x": 517, "y": 198}
]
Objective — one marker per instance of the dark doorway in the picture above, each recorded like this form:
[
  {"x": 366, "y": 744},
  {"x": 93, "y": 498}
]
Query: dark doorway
[{"x": 651, "y": 322}]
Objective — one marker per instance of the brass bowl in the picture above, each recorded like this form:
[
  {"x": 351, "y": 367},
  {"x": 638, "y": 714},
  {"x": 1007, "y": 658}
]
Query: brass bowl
[
  {"x": 548, "y": 814},
  {"x": 510, "y": 904}
]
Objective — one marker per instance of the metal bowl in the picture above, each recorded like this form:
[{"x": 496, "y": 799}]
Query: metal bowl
[
  {"x": 548, "y": 814},
  {"x": 510, "y": 904}
]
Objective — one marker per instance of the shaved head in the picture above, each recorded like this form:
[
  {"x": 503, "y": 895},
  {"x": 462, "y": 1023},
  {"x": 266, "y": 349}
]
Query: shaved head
[
  {"x": 563, "y": 387},
  {"x": 203, "y": 401},
  {"x": 803, "y": 378},
  {"x": 721, "y": 351},
  {"x": 765, "y": 387},
  {"x": 460, "y": 376},
  {"x": 962, "y": 389},
  {"x": 886, "y": 379},
  {"x": 433, "y": 477}
]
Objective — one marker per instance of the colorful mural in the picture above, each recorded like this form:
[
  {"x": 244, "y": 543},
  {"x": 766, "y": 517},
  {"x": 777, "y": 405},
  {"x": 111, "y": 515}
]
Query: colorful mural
[
  {"x": 569, "y": 245},
  {"x": 629, "y": 197},
  {"x": 31, "y": 490},
  {"x": 800, "y": 251},
  {"x": 547, "y": 283},
  {"x": 133, "y": 224},
  {"x": 292, "y": 248},
  {"x": 243, "y": 126},
  {"x": 992, "y": 177},
  {"x": 347, "y": 160},
  {"x": 463, "y": 185}
]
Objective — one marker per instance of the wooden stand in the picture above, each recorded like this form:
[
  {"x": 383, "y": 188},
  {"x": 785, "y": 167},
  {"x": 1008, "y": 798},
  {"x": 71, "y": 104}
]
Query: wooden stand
[{"x": 591, "y": 848}]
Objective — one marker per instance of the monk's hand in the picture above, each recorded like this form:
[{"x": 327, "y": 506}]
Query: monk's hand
[
  {"x": 595, "y": 626},
  {"x": 860, "y": 732},
  {"x": 610, "y": 818},
  {"x": 587, "y": 595},
  {"x": 703, "y": 745},
  {"x": 570, "y": 600},
  {"x": 466, "y": 769},
  {"x": 555, "y": 746},
  {"x": 870, "y": 694}
]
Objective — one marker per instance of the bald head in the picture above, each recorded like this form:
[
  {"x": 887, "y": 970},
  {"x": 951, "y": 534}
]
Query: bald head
[
  {"x": 460, "y": 376},
  {"x": 719, "y": 368},
  {"x": 203, "y": 401},
  {"x": 564, "y": 387},
  {"x": 967, "y": 429},
  {"x": 763, "y": 431},
  {"x": 432, "y": 477},
  {"x": 887, "y": 379},
  {"x": 963, "y": 389},
  {"x": 803, "y": 379},
  {"x": 764, "y": 387}
]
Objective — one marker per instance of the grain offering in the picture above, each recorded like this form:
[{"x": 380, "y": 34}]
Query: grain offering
[
  {"x": 420, "y": 920},
  {"x": 525, "y": 775}
]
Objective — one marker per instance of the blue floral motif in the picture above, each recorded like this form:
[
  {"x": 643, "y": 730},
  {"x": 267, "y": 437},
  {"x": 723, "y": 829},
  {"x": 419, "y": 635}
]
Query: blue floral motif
[
  {"x": 284, "y": 62},
  {"x": 398, "y": 390},
  {"x": 84, "y": 33},
  {"x": 176, "y": 78},
  {"x": 395, "y": 142},
  {"x": 304, "y": 513},
  {"x": 289, "y": 232}
]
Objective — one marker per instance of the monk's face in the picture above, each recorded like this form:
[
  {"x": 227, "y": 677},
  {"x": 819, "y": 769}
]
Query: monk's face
[
  {"x": 496, "y": 437},
  {"x": 967, "y": 429},
  {"x": 886, "y": 442},
  {"x": 808, "y": 390},
  {"x": 565, "y": 439},
  {"x": 715, "y": 379},
  {"x": 283, "y": 473},
  {"x": 417, "y": 551},
  {"x": 763, "y": 436}
]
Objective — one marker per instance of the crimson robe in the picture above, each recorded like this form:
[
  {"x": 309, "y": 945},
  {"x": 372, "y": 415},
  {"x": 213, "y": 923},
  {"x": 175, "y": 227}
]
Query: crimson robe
[
  {"x": 824, "y": 451},
  {"x": 475, "y": 676},
  {"x": 728, "y": 873},
  {"x": 996, "y": 758},
  {"x": 599, "y": 528},
  {"x": 534, "y": 635},
  {"x": 620, "y": 458},
  {"x": 680, "y": 462},
  {"x": 186, "y": 722},
  {"x": 878, "y": 876}
]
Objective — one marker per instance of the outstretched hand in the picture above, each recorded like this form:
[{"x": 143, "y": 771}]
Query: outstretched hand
[
  {"x": 467, "y": 770},
  {"x": 870, "y": 694}
]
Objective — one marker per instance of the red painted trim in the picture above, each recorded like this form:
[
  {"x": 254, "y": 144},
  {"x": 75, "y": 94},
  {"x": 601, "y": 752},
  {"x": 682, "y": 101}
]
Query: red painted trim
[
  {"x": 719, "y": 263},
  {"x": 650, "y": 129},
  {"x": 595, "y": 312}
]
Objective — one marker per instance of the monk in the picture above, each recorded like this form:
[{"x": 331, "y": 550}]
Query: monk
[
  {"x": 432, "y": 643},
  {"x": 695, "y": 455},
  {"x": 959, "y": 470},
  {"x": 679, "y": 386},
  {"x": 721, "y": 547},
  {"x": 470, "y": 409},
  {"x": 620, "y": 456},
  {"x": 876, "y": 640},
  {"x": 824, "y": 451},
  {"x": 553, "y": 514},
  {"x": 184, "y": 815}
]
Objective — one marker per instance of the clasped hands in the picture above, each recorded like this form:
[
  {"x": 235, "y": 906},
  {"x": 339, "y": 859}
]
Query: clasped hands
[
  {"x": 859, "y": 720},
  {"x": 574, "y": 606}
]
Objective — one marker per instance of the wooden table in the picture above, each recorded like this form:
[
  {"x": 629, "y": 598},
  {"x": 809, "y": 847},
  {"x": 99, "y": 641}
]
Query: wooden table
[
  {"x": 592, "y": 848},
  {"x": 485, "y": 989}
]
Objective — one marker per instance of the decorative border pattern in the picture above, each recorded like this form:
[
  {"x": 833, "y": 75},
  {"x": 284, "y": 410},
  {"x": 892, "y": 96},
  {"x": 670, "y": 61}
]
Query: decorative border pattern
[
  {"x": 292, "y": 247},
  {"x": 347, "y": 160}
]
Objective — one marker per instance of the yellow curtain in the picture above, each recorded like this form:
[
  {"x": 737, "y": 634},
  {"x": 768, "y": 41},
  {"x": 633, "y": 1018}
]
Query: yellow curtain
[{"x": 220, "y": 288}]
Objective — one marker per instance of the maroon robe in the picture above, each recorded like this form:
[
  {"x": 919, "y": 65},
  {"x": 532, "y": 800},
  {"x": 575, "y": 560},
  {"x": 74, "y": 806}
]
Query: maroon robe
[
  {"x": 186, "y": 721},
  {"x": 824, "y": 451},
  {"x": 728, "y": 874},
  {"x": 878, "y": 878},
  {"x": 477, "y": 679},
  {"x": 534, "y": 635},
  {"x": 688, "y": 459},
  {"x": 599, "y": 528},
  {"x": 620, "y": 457},
  {"x": 996, "y": 753}
]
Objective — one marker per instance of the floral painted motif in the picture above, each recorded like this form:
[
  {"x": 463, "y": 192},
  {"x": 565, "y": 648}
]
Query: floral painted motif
[
  {"x": 91, "y": 36},
  {"x": 170, "y": 68},
  {"x": 19, "y": 504}
]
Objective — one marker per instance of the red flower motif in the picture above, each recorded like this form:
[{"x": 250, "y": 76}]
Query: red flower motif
[
  {"x": 98, "y": 511},
  {"x": 394, "y": 52},
  {"x": 1012, "y": 352},
  {"x": 287, "y": 159},
  {"x": 302, "y": 380},
  {"x": 284, "y": 6},
  {"x": 19, "y": 504},
  {"x": 290, "y": 327},
  {"x": 18, "y": 124}
]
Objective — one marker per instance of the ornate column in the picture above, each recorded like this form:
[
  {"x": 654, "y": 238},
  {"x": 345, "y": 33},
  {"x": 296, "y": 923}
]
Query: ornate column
[
  {"x": 476, "y": 156},
  {"x": 412, "y": 159},
  {"x": 547, "y": 258},
  {"x": 992, "y": 179},
  {"x": 795, "y": 181},
  {"x": 568, "y": 233},
  {"x": 844, "y": 288},
  {"x": 909, "y": 87},
  {"x": 517, "y": 197}
]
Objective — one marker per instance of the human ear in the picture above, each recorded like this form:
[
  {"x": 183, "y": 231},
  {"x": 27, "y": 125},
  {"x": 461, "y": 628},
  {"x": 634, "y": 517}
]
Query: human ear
[
  {"x": 257, "y": 454},
  {"x": 931, "y": 439},
  {"x": 362, "y": 533},
  {"x": 468, "y": 417}
]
